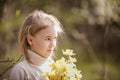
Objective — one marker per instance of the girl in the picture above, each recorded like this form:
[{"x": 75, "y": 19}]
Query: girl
[{"x": 37, "y": 39}]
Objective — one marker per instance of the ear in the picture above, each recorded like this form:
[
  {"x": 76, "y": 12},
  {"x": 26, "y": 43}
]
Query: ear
[{"x": 29, "y": 39}]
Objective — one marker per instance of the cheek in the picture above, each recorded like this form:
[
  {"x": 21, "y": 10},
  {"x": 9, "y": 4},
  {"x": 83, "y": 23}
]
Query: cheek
[{"x": 42, "y": 44}]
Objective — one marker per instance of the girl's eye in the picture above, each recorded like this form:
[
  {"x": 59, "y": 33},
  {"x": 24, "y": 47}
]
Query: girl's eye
[
  {"x": 47, "y": 39},
  {"x": 51, "y": 38}
]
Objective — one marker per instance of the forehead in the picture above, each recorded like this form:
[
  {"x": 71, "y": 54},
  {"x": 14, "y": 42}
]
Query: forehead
[{"x": 48, "y": 31}]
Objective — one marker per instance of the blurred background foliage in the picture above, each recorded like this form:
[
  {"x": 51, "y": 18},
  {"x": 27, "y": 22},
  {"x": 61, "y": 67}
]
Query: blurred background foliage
[{"x": 91, "y": 29}]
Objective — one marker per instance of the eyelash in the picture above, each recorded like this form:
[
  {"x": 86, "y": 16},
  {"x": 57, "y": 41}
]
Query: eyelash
[
  {"x": 47, "y": 39},
  {"x": 50, "y": 38}
]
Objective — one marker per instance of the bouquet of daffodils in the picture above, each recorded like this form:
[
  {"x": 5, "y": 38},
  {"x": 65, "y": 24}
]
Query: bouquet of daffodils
[{"x": 64, "y": 68}]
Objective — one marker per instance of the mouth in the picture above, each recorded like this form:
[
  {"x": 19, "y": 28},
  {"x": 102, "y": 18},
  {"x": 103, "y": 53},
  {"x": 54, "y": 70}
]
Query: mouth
[{"x": 50, "y": 50}]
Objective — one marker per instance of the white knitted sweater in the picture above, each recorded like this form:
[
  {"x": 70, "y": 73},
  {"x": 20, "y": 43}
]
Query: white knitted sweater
[{"x": 31, "y": 71}]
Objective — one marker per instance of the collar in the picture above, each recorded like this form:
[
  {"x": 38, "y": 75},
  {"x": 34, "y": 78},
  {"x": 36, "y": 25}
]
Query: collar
[{"x": 35, "y": 59}]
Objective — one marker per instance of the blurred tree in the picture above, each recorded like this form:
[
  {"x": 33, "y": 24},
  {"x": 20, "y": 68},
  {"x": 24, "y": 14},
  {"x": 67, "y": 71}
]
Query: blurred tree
[{"x": 2, "y": 4}]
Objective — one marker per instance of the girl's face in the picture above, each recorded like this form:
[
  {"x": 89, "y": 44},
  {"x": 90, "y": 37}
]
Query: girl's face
[{"x": 44, "y": 42}]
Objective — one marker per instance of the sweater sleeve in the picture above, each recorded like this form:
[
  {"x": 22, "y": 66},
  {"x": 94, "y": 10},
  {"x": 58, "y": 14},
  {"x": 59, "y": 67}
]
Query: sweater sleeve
[{"x": 17, "y": 73}]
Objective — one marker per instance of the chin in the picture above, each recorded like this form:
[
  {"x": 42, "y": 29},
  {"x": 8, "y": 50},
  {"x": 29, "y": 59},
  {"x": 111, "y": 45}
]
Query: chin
[{"x": 50, "y": 54}]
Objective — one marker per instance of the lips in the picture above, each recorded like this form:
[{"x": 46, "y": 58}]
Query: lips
[{"x": 50, "y": 50}]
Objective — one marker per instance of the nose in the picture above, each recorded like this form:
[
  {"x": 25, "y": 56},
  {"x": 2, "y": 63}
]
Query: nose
[{"x": 52, "y": 44}]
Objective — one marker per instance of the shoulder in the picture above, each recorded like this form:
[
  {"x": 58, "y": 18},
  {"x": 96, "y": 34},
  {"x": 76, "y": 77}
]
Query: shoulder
[
  {"x": 20, "y": 65},
  {"x": 18, "y": 71}
]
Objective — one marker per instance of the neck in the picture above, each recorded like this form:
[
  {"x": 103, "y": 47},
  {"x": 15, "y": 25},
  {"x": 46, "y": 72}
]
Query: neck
[{"x": 35, "y": 59}]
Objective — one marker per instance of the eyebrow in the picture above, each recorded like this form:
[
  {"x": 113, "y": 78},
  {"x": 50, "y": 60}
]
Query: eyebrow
[
  {"x": 51, "y": 36},
  {"x": 48, "y": 36}
]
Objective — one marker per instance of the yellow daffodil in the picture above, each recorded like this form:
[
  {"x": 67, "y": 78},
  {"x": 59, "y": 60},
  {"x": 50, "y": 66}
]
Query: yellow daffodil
[
  {"x": 64, "y": 69},
  {"x": 68, "y": 52}
]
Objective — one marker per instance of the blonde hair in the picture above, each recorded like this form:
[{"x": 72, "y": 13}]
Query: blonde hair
[{"x": 35, "y": 22}]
